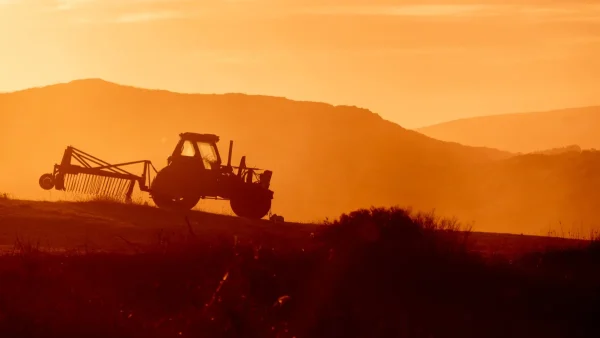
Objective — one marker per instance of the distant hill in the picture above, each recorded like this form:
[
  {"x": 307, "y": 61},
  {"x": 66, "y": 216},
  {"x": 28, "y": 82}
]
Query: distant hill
[
  {"x": 326, "y": 159},
  {"x": 524, "y": 132},
  {"x": 557, "y": 151}
]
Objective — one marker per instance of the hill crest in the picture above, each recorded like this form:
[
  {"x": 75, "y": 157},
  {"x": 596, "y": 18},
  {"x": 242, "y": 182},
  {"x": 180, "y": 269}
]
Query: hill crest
[
  {"x": 524, "y": 132},
  {"x": 108, "y": 84},
  {"x": 326, "y": 159}
]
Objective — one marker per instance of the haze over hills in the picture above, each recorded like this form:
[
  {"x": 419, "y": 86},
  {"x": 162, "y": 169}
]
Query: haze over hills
[
  {"x": 524, "y": 132},
  {"x": 326, "y": 159}
]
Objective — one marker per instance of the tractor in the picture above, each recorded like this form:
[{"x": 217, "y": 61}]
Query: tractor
[{"x": 194, "y": 171}]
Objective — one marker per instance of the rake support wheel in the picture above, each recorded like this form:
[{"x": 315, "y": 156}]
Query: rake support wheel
[{"x": 47, "y": 181}]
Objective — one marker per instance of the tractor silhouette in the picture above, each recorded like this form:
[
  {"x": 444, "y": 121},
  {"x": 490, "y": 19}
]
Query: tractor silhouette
[{"x": 194, "y": 171}]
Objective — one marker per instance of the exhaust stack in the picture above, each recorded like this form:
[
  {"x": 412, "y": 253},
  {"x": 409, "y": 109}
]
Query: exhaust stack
[{"x": 229, "y": 156}]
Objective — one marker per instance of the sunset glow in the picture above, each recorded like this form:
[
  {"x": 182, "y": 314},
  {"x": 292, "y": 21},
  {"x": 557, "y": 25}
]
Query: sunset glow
[
  {"x": 415, "y": 63},
  {"x": 299, "y": 168}
]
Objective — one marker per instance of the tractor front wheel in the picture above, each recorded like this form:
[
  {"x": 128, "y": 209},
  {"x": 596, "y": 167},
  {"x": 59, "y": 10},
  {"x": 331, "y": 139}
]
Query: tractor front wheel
[{"x": 250, "y": 207}]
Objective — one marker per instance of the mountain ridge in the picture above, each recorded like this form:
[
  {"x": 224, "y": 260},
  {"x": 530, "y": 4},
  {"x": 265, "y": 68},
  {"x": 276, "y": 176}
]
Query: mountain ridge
[
  {"x": 513, "y": 114},
  {"x": 95, "y": 82},
  {"x": 114, "y": 84},
  {"x": 326, "y": 159},
  {"x": 526, "y": 131}
]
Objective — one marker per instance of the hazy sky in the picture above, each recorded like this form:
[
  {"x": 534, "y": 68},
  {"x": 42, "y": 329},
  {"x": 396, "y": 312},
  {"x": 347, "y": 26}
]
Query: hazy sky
[{"x": 413, "y": 62}]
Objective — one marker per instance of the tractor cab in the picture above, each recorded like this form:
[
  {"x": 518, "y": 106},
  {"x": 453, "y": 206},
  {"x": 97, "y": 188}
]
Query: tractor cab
[{"x": 198, "y": 149}]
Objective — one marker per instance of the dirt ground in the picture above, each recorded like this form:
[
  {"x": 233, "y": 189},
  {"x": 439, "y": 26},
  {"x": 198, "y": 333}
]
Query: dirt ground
[{"x": 106, "y": 226}]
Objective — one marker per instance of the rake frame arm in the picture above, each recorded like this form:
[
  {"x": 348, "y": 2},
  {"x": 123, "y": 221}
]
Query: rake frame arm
[
  {"x": 104, "y": 168},
  {"x": 91, "y": 168}
]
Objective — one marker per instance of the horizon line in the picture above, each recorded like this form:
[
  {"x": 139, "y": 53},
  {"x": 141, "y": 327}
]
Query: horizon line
[{"x": 120, "y": 84}]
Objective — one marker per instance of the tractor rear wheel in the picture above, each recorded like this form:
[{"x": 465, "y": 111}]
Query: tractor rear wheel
[
  {"x": 169, "y": 191},
  {"x": 250, "y": 206}
]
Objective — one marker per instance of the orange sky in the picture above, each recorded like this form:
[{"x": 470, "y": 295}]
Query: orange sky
[{"x": 417, "y": 63}]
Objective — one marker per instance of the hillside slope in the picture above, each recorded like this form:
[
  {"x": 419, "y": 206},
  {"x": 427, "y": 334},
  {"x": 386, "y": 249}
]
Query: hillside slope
[
  {"x": 117, "y": 227},
  {"x": 101, "y": 226},
  {"x": 326, "y": 159},
  {"x": 524, "y": 132}
]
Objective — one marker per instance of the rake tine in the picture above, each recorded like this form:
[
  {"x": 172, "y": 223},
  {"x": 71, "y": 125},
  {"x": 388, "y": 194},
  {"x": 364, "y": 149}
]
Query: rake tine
[
  {"x": 98, "y": 185},
  {"x": 113, "y": 188},
  {"x": 126, "y": 188},
  {"x": 79, "y": 183},
  {"x": 91, "y": 184},
  {"x": 101, "y": 184},
  {"x": 106, "y": 186},
  {"x": 118, "y": 188},
  {"x": 95, "y": 185},
  {"x": 74, "y": 184},
  {"x": 121, "y": 185},
  {"x": 82, "y": 184},
  {"x": 75, "y": 181},
  {"x": 111, "y": 185},
  {"x": 87, "y": 184},
  {"x": 123, "y": 188},
  {"x": 90, "y": 187}
]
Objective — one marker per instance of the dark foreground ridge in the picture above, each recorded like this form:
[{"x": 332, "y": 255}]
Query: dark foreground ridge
[{"x": 371, "y": 273}]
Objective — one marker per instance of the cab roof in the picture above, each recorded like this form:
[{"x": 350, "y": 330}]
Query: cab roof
[{"x": 199, "y": 137}]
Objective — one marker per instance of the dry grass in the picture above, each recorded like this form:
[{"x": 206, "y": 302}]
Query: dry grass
[
  {"x": 371, "y": 273},
  {"x": 573, "y": 232}
]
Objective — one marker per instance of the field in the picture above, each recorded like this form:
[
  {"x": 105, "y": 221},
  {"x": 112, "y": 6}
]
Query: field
[{"x": 104, "y": 269}]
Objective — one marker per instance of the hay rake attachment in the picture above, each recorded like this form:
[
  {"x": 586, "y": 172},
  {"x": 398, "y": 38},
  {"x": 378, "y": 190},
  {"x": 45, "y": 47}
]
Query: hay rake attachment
[{"x": 94, "y": 176}]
